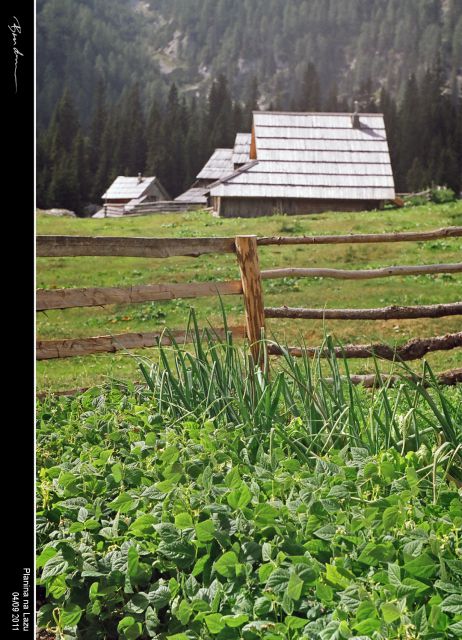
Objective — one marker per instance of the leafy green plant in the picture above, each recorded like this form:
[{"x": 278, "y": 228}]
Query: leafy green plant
[
  {"x": 217, "y": 501},
  {"x": 441, "y": 195},
  {"x": 415, "y": 201}
]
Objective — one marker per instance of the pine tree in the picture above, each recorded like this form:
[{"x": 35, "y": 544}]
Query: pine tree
[
  {"x": 79, "y": 168},
  {"x": 63, "y": 189},
  {"x": 220, "y": 115},
  {"x": 251, "y": 102},
  {"x": 155, "y": 140},
  {"x": 416, "y": 178},
  {"x": 136, "y": 148},
  {"x": 64, "y": 127},
  {"x": 331, "y": 104},
  {"x": 387, "y": 106},
  {"x": 310, "y": 92},
  {"x": 106, "y": 171},
  {"x": 172, "y": 171},
  {"x": 96, "y": 136},
  {"x": 239, "y": 123},
  {"x": 193, "y": 143},
  {"x": 410, "y": 132},
  {"x": 43, "y": 171}
]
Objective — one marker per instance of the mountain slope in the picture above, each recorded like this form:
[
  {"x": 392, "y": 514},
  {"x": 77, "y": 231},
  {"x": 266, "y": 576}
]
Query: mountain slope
[
  {"x": 189, "y": 42},
  {"x": 348, "y": 40}
]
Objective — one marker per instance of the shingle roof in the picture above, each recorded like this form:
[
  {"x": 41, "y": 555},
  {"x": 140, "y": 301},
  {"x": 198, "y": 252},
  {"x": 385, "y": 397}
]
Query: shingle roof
[
  {"x": 195, "y": 195},
  {"x": 315, "y": 155},
  {"x": 128, "y": 187},
  {"x": 241, "y": 148},
  {"x": 219, "y": 165}
]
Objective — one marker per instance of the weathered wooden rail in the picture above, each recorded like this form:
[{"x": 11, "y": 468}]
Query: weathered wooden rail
[
  {"x": 250, "y": 286},
  {"x": 67, "y": 348},
  {"x": 97, "y": 296},
  {"x": 72, "y": 246},
  {"x": 361, "y": 274},
  {"x": 412, "y": 350},
  {"x": 385, "y": 313},
  {"x": 365, "y": 238}
]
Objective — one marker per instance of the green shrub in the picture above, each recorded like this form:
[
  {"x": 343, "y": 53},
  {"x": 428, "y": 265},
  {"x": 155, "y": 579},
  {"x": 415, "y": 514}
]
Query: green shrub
[
  {"x": 415, "y": 201},
  {"x": 440, "y": 195}
]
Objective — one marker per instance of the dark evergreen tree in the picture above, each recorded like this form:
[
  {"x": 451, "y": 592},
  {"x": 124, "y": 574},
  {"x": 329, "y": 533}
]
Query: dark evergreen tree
[
  {"x": 251, "y": 102},
  {"x": 66, "y": 144},
  {"x": 96, "y": 136},
  {"x": 410, "y": 131},
  {"x": 331, "y": 104},
  {"x": 365, "y": 97},
  {"x": 80, "y": 168},
  {"x": 64, "y": 188},
  {"x": 240, "y": 123},
  {"x": 136, "y": 134},
  {"x": 309, "y": 98},
  {"x": 64, "y": 127},
  {"x": 155, "y": 140},
  {"x": 172, "y": 171},
  {"x": 106, "y": 170},
  {"x": 387, "y": 106},
  {"x": 43, "y": 170},
  {"x": 416, "y": 177},
  {"x": 220, "y": 115},
  {"x": 193, "y": 143}
]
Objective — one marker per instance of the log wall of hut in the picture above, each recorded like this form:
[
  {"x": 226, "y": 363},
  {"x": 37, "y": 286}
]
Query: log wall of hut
[{"x": 255, "y": 207}]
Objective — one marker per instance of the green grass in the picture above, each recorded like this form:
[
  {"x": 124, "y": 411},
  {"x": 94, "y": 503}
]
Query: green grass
[
  {"x": 218, "y": 502},
  {"x": 82, "y": 272}
]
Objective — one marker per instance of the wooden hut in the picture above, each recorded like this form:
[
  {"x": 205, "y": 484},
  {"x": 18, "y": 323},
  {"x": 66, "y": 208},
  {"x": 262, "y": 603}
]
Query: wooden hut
[
  {"x": 309, "y": 162},
  {"x": 127, "y": 193}
]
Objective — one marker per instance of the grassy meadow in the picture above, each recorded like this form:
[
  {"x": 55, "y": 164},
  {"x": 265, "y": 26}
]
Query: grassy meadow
[{"x": 113, "y": 319}]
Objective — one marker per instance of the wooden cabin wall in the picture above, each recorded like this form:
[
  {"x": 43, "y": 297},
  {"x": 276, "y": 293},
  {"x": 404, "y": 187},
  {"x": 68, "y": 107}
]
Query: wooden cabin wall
[{"x": 255, "y": 207}]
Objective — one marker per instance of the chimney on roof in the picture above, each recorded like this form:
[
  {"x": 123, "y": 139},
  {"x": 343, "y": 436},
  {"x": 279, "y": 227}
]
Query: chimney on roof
[
  {"x": 355, "y": 121},
  {"x": 140, "y": 178}
]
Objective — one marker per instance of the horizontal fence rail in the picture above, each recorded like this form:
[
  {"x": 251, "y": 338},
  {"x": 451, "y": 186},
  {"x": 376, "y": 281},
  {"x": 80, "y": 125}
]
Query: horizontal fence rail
[
  {"x": 412, "y": 350},
  {"x": 363, "y": 238},
  {"x": 99, "y": 296},
  {"x": 361, "y": 274},
  {"x": 385, "y": 313},
  {"x": 62, "y": 246},
  {"x": 68, "y": 348},
  {"x": 245, "y": 249}
]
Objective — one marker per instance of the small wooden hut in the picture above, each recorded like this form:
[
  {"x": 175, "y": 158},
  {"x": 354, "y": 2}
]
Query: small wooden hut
[{"x": 127, "y": 193}]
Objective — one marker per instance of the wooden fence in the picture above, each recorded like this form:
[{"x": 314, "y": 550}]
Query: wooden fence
[{"x": 246, "y": 250}]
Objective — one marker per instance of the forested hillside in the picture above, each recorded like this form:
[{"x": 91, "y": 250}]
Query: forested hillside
[
  {"x": 80, "y": 42},
  {"x": 348, "y": 40},
  {"x": 153, "y": 87}
]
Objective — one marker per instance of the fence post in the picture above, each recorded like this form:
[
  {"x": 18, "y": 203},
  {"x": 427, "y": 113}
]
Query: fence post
[{"x": 247, "y": 257}]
